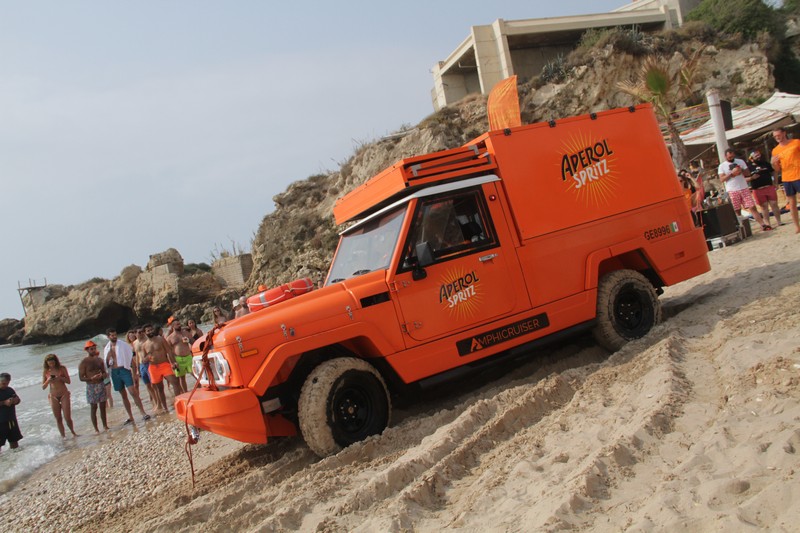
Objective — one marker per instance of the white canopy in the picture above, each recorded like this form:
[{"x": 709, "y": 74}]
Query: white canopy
[{"x": 781, "y": 109}]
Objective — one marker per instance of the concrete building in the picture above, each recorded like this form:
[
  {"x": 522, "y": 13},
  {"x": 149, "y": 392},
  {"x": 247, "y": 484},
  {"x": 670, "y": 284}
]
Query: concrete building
[{"x": 496, "y": 51}]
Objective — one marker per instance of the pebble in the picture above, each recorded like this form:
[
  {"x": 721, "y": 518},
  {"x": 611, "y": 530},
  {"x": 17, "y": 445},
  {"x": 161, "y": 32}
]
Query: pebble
[{"x": 106, "y": 479}]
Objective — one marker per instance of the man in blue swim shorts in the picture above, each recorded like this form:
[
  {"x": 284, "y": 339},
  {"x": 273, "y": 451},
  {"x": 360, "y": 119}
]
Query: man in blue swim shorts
[{"x": 118, "y": 356}]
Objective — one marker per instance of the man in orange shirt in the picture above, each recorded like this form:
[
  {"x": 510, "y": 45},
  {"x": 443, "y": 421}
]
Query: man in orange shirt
[{"x": 786, "y": 160}]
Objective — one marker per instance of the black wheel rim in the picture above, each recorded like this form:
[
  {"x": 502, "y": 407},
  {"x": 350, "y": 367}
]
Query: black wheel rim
[
  {"x": 352, "y": 409},
  {"x": 629, "y": 310}
]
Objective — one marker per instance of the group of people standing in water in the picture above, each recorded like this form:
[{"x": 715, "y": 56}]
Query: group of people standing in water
[{"x": 147, "y": 356}]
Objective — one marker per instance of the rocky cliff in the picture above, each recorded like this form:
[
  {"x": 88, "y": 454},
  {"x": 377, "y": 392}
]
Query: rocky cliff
[
  {"x": 135, "y": 296},
  {"x": 298, "y": 238},
  {"x": 11, "y": 331}
]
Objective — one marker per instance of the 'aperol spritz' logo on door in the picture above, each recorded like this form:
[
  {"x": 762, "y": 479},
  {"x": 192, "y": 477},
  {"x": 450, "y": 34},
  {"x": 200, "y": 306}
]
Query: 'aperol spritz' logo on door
[
  {"x": 588, "y": 169},
  {"x": 460, "y": 292}
]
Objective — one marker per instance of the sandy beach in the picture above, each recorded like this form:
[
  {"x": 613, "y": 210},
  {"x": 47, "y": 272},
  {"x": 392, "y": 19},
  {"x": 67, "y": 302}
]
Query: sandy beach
[{"x": 695, "y": 427}]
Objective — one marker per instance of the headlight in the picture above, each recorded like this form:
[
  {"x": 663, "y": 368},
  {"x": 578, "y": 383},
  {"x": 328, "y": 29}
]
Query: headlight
[
  {"x": 219, "y": 366},
  {"x": 197, "y": 366},
  {"x": 222, "y": 369}
]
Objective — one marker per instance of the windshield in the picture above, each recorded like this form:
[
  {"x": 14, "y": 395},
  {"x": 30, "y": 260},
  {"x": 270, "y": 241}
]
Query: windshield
[{"x": 367, "y": 248}]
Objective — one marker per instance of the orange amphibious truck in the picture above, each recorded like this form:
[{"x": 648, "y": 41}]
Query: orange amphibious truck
[{"x": 451, "y": 259}]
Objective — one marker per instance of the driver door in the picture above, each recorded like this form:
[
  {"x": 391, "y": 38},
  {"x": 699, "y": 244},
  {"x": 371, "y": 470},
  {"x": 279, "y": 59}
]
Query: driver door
[{"x": 468, "y": 282}]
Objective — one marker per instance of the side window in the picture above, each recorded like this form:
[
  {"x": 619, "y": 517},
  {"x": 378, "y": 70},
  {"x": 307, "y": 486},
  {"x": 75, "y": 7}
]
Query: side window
[{"x": 453, "y": 225}]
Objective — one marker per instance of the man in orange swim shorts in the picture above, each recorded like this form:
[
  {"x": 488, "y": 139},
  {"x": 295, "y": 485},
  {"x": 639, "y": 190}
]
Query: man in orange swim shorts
[{"x": 158, "y": 353}]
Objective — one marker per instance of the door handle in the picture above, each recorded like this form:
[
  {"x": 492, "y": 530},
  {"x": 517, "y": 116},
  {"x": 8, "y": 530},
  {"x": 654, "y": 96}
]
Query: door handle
[{"x": 485, "y": 258}]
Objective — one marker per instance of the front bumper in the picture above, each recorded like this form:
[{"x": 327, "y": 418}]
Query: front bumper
[{"x": 233, "y": 413}]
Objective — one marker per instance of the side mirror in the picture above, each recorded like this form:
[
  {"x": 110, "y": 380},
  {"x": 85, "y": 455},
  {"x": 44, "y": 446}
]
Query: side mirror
[
  {"x": 424, "y": 254},
  {"x": 423, "y": 259}
]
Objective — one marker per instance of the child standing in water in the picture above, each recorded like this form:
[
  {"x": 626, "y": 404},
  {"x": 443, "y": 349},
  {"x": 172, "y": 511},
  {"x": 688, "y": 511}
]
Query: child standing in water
[
  {"x": 9, "y": 429},
  {"x": 57, "y": 377}
]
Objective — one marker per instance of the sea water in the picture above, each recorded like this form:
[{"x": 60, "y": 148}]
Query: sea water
[{"x": 41, "y": 440}]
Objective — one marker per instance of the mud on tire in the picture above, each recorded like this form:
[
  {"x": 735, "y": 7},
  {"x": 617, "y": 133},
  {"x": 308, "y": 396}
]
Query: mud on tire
[
  {"x": 342, "y": 401},
  {"x": 627, "y": 308}
]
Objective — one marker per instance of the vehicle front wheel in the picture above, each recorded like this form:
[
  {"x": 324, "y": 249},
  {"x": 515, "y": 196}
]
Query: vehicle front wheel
[
  {"x": 342, "y": 401},
  {"x": 627, "y": 308}
]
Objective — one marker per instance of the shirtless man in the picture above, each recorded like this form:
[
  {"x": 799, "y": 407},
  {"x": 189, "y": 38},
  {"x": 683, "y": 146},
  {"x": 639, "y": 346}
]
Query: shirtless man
[
  {"x": 118, "y": 356},
  {"x": 240, "y": 308},
  {"x": 144, "y": 366},
  {"x": 182, "y": 348},
  {"x": 92, "y": 372},
  {"x": 158, "y": 352}
]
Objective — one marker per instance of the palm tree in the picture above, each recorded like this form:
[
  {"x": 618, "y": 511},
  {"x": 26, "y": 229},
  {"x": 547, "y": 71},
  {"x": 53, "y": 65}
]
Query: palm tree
[{"x": 666, "y": 84}]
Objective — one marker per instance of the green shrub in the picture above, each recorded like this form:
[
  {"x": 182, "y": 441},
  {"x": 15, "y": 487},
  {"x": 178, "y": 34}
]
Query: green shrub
[
  {"x": 444, "y": 117},
  {"x": 745, "y": 17},
  {"x": 194, "y": 268},
  {"x": 592, "y": 37},
  {"x": 791, "y": 7},
  {"x": 631, "y": 41},
  {"x": 698, "y": 30},
  {"x": 729, "y": 41},
  {"x": 752, "y": 102},
  {"x": 554, "y": 71}
]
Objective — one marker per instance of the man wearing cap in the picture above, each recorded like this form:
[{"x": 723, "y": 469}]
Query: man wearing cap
[
  {"x": 239, "y": 308},
  {"x": 118, "y": 356},
  {"x": 171, "y": 326},
  {"x": 761, "y": 184},
  {"x": 92, "y": 372}
]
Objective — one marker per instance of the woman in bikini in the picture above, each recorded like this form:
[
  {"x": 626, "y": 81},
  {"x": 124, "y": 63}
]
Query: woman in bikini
[
  {"x": 57, "y": 377},
  {"x": 196, "y": 332}
]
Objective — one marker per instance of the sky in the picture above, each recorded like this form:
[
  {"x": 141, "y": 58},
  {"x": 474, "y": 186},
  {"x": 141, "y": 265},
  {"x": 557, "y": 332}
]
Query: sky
[{"x": 127, "y": 128}]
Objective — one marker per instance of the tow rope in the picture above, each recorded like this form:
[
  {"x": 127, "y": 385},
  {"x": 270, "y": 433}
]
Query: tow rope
[{"x": 205, "y": 369}]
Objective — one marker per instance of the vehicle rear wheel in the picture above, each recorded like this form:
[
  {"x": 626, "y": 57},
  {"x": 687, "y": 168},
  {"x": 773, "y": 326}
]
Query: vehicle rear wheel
[
  {"x": 342, "y": 401},
  {"x": 627, "y": 308}
]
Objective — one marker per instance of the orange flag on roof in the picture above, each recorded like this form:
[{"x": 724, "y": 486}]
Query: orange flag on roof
[{"x": 503, "y": 105}]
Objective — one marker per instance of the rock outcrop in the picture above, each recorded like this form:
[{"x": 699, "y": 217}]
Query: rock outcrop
[
  {"x": 743, "y": 74},
  {"x": 134, "y": 297},
  {"x": 10, "y": 330}
]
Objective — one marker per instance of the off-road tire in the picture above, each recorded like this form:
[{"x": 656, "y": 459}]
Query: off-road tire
[
  {"x": 627, "y": 308},
  {"x": 343, "y": 401}
]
